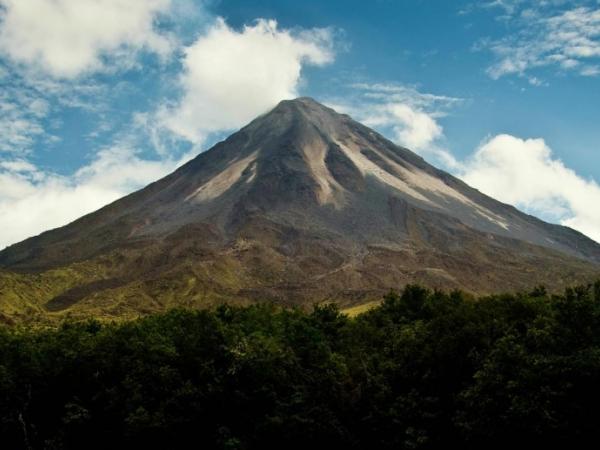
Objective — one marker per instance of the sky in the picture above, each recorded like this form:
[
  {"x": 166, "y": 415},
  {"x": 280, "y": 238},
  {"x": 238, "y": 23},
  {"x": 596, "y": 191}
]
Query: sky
[{"x": 100, "y": 97}]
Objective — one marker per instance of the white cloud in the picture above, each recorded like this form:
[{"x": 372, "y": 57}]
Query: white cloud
[
  {"x": 509, "y": 6},
  {"x": 591, "y": 71},
  {"x": 32, "y": 201},
  {"x": 21, "y": 115},
  {"x": 231, "y": 76},
  {"x": 67, "y": 38},
  {"x": 526, "y": 174},
  {"x": 568, "y": 40},
  {"x": 416, "y": 129}
]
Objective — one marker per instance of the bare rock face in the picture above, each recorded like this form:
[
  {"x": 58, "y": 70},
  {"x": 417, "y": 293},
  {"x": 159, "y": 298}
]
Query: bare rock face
[{"x": 301, "y": 205}]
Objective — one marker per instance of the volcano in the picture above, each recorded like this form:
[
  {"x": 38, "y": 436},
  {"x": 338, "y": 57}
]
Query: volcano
[{"x": 301, "y": 205}]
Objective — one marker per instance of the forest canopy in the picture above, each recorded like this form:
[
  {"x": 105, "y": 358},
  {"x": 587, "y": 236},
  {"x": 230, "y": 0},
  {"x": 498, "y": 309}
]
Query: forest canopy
[{"x": 425, "y": 369}]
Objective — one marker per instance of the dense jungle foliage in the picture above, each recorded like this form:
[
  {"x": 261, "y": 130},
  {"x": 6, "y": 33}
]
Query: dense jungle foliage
[{"x": 422, "y": 370}]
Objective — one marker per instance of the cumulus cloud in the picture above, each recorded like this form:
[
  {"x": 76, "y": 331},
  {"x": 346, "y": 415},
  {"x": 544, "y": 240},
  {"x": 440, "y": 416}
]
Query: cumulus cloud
[
  {"x": 412, "y": 127},
  {"x": 67, "y": 38},
  {"x": 231, "y": 76},
  {"x": 32, "y": 200},
  {"x": 525, "y": 173},
  {"x": 567, "y": 40}
]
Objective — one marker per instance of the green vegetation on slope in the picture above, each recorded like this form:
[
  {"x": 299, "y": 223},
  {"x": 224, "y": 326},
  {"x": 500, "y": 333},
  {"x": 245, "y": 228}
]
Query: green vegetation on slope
[
  {"x": 104, "y": 288},
  {"x": 22, "y": 296},
  {"x": 421, "y": 370}
]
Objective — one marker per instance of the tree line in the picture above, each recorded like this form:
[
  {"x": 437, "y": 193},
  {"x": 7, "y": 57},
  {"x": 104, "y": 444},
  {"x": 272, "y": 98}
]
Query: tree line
[{"x": 425, "y": 369}]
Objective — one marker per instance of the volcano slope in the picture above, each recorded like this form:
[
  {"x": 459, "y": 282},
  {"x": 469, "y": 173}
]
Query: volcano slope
[{"x": 302, "y": 205}]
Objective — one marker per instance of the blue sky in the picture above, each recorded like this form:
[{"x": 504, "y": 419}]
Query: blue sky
[{"x": 100, "y": 97}]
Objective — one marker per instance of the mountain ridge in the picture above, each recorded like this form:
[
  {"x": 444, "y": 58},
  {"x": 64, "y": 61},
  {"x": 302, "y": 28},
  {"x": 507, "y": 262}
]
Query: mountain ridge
[{"x": 303, "y": 204}]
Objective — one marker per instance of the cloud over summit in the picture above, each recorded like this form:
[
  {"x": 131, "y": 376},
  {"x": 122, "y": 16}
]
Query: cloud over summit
[{"x": 230, "y": 76}]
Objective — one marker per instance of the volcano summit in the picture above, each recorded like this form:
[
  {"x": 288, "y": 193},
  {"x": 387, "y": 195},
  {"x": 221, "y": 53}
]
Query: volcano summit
[{"x": 301, "y": 205}]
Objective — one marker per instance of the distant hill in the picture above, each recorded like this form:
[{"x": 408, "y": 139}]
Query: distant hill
[{"x": 301, "y": 205}]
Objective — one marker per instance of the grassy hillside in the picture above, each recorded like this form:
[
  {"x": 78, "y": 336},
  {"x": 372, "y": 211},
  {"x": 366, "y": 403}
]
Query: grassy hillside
[
  {"x": 23, "y": 296},
  {"x": 421, "y": 370},
  {"x": 106, "y": 288},
  {"x": 133, "y": 282}
]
